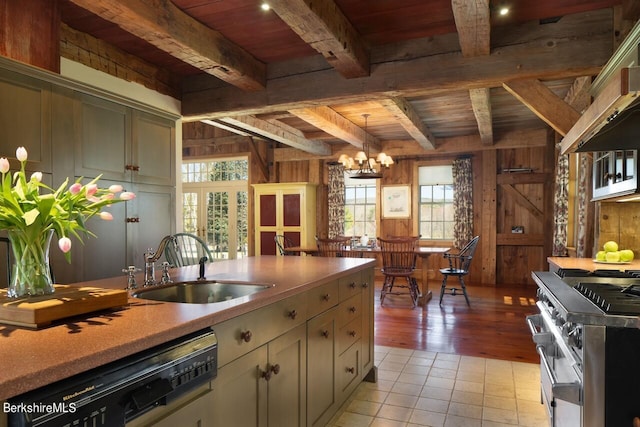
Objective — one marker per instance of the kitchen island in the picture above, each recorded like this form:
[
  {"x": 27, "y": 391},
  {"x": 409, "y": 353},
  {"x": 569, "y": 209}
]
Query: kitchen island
[{"x": 35, "y": 358}]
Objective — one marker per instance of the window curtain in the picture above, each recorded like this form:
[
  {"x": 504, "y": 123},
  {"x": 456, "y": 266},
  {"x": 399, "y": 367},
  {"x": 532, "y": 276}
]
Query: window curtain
[
  {"x": 584, "y": 196},
  {"x": 561, "y": 207},
  {"x": 462, "y": 202},
  {"x": 336, "y": 200}
]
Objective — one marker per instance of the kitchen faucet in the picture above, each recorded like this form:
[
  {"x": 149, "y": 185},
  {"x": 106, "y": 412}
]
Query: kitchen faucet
[{"x": 150, "y": 259}]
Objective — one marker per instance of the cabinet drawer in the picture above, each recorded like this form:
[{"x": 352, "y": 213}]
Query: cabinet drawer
[
  {"x": 349, "y": 286},
  {"x": 349, "y": 333},
  {"x": 323, "y": 298},
  {"x": 349, "y": 310},
  {"x": 348, "y": 370},
  {"x": 242, "y": 334}
]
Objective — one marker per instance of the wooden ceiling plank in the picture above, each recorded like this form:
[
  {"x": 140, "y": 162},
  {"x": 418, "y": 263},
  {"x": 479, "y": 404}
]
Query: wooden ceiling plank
[
  {"x": 544, "y": 103},
  {"x": 551, "y": 58},
  {"x": 324, "y": 27},
  {"x": 334, "y": 124},
  {"x": 446, "y": 146},
  {"x": 481, "y": 105},
  {"x": 473, "y": 22},
  {"x": 168, "y": 28},
  {"x": 280, "y": 132},
  {"x": 409, "y": 119}
]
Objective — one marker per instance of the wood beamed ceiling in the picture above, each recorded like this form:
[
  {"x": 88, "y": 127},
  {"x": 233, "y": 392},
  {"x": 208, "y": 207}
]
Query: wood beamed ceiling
[{"x": 435, "y": 76}]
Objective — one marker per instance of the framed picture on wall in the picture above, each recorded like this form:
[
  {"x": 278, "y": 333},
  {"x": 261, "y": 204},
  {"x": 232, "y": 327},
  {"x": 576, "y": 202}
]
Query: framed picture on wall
[{"x": 396, "y": 201}]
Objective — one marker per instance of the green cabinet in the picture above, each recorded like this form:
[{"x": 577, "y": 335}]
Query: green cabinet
[{"x": 294, "y": 362}]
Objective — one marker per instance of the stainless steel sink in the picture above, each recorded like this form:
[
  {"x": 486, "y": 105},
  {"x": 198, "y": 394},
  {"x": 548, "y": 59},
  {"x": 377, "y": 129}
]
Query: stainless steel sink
[{"x": 201, "y": 292}]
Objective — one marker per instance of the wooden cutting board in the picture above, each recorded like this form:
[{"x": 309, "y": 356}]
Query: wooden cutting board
[{"x": 67, "y": 301}]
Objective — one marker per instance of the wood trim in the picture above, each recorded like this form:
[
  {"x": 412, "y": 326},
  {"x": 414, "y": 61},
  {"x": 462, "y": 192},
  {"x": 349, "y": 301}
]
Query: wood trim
[
  {"x": 517, "y": 239},
  {"x": 489, "y": 213},
  {"x": 523, "y": 178}
]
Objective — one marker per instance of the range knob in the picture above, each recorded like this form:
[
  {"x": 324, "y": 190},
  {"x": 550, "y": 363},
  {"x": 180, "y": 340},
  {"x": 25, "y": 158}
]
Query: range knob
[{"x": 575, "y": 337}]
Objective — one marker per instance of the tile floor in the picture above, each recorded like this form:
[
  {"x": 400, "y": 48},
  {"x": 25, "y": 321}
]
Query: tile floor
[{"x": 421, "y": 388}]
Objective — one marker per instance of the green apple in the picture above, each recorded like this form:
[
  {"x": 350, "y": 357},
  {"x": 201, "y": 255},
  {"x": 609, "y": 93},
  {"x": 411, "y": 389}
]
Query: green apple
[
  {"x": 626, "y": 255},
  {"x": 601, "y": 256},
  {"x": 613, "y": 256},
  {"x": 610, "y": 246}
]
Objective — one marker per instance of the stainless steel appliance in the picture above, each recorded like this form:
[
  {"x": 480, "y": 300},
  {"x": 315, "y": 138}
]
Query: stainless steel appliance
[
  {"x": 588, "y": 337},
  {"x": 117, "y": 393}
]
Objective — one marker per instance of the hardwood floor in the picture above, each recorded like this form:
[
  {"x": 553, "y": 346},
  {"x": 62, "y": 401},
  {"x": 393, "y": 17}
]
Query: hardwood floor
[{"x": 493, "y": 326}]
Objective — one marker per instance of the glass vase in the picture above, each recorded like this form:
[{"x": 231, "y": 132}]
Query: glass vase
[{"x": 30, "y": 275}]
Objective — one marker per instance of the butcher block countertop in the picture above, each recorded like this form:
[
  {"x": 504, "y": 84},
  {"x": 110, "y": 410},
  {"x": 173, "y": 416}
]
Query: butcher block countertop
[
  {"x": 34, "y": 358},
  {"x": 588, "y": 264}
]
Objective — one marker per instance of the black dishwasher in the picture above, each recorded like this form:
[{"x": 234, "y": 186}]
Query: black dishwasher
[{"x": 116, "y": 393}]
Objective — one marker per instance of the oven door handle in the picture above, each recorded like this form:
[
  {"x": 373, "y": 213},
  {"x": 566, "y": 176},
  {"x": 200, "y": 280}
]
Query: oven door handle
[
  {"x": 535, "y": 321},
  {"x": 570, "y": 392}
]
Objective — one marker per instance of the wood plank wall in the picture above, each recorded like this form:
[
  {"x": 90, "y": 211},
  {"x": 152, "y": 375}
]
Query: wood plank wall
[{"x": 502, "y": 199}]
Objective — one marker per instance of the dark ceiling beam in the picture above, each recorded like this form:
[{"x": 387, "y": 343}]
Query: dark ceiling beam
[
  {"x": 324, "y": 27},
  {"x": 554, "y": 56},
  {"x": 168, "y": 28}
]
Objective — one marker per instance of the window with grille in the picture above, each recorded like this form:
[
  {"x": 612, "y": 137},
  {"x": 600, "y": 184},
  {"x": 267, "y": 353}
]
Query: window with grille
[
  {"x": 360, "y": 207},
  {"x": 435, "y": 217}
]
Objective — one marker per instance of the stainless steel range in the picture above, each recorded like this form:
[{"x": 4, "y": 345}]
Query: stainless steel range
[{"x": 588, "y": 337}]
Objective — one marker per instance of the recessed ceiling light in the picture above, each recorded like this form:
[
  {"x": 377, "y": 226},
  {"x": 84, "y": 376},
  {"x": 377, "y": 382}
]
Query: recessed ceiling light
[
  {"x": 504, "y": 11},
  {"x": 265, "y": 6}
]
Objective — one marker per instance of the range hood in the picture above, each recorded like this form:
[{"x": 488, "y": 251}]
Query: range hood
[{"x": 611, "y": 121}]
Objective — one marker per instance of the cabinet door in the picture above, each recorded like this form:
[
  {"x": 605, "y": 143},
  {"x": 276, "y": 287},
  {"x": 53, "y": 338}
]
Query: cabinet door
[
  {"x": 153, "y": 211},
  {"x": 287, "y": 384},
  {"x": 105, "y": 132},
  {"x": 321, "y": 359},
  {"x": 25, "y": 119},
  {"x": 240, "y": 393},
  {"x": 153, "y": 149}
]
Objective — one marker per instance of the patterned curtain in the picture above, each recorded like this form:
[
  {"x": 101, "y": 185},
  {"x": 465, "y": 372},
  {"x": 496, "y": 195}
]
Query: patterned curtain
[
  {"x": 336, "y": 200},
  {"x": 584, "y": 195},
  {"x": 561, "y": 207},
  {"x": 462, "y": 202}
]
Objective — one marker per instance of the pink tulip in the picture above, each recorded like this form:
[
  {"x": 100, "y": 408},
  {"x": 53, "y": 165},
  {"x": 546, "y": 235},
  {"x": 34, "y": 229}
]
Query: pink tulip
[
  {"x": 115, "y": 188},
  {"x": 75, "y": 188},
  {"x": 106, "y": 216},
  {"x": 21, "y": 154},
  {"x": 64, "y": 244},
  {"x": 4, "y": 165},
  {"x": 36, "y": 176},
  {"x": 91, "y": 190},
  {"x": 127, "y": 195}
]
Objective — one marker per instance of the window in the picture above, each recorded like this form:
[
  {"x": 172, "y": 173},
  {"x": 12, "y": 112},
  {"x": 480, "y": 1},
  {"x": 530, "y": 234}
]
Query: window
[
  {"x": 215, "y": 204},
  {"x": 359, "y": 207},
  {"x": 435, "y": 216}
]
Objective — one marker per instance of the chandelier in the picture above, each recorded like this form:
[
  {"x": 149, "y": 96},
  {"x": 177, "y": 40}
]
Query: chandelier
[{"x": 363, "y": 166}]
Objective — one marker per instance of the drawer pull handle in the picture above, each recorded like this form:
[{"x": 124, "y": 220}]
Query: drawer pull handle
[
  {"x": 352, "y": 309},
  {"x": 325, "y": 333},
  {"x": 351, "y": 370},
  {"x": 293, "y": 314},
  {"x": 365, "y": 285},
  {"x": 326, "y": 297},
  {"x": 352, "y": 285},
  {"x": 246, "y": 336},
  {"x": 352, "y": 333},
  {"x": 273, "y": 369}
]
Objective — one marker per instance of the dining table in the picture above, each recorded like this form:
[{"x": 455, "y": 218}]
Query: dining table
[{"x": 424, "y": 252}]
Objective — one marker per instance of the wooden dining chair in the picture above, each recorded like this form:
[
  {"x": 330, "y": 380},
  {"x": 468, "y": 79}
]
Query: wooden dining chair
[
  {"x": 336, "y": 247},
  {"x": 187, "y": 250},
  {"x": 458, "y": 267},
  {"x": 399, "y": 262}
]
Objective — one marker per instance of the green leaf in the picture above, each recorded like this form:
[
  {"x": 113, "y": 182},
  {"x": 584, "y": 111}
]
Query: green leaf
[{"x": 30, "y": 216}]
